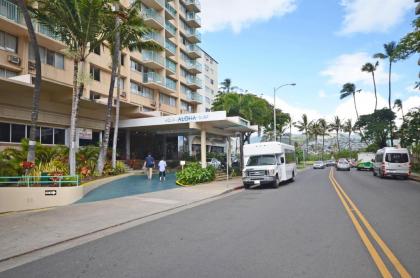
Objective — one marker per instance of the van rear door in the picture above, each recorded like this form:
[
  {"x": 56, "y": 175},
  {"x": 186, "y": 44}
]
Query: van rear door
[{"x": 397, "y": 162}]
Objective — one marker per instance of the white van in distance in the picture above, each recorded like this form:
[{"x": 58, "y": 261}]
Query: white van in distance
[
  {"x": 392, "y": 162},
  {"x": 268, "y": 163}
]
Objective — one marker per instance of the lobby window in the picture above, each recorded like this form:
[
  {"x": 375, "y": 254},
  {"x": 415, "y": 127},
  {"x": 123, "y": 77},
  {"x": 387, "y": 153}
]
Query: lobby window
[
  {"x": 4, "y": 132},
  {"x": 47, "y": 135},
  {"x": 95, "y": 73},
  {"x": 8, "y": 42},
  {"x": 18, "y": 133},
  {"x": 59, "y": 136},
  {"x": 7, "y": 73},
  {"x": 37, "y": 132}
]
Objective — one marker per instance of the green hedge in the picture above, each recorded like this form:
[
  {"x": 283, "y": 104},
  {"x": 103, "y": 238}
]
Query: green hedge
[{"x": 193, "y": 174}]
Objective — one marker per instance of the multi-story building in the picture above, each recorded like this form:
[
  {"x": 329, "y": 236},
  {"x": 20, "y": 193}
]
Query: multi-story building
[
  {"x": 209, "y": 75},
  {"x": 153, "y": 83}
]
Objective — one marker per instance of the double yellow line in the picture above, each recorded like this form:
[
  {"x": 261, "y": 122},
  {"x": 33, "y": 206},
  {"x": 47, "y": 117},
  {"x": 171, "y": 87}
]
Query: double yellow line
[{"x": 358, "y": 219}]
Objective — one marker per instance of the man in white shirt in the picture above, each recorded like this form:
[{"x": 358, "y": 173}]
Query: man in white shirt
[{"x": 162, "y": 169}]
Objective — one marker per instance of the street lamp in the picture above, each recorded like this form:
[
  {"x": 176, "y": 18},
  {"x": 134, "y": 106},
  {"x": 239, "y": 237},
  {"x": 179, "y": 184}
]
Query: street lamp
[{"x": 275, "y": 90}]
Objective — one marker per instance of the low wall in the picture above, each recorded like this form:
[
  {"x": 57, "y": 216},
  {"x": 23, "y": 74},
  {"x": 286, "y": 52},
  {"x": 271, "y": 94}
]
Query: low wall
[{"x": 27, "y": 198}]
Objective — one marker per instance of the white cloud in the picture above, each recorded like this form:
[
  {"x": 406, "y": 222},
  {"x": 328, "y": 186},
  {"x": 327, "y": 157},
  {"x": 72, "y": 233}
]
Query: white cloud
[
  {"x": 237, "y": 14},
  {"x": 411, "y": 89},
  {"x": 347, "y": 68},
  {"x": 322, "y": 94},
  {"x": 411, "y": 102},
  {"x": 367, "y": 16}
]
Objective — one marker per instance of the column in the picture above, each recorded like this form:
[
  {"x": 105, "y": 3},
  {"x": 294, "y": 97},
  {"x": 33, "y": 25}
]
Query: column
[
  {"x": 203, "y": 149},
  {"x": 127, "y": 144},
  {"x": 229, "y": 152},
  {"x": 165, "y": 146}
]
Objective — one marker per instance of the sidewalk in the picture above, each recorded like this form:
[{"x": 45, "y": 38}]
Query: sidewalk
[
  {"x": 22, "y": 233},
  {"x": 415, "y": 177}
]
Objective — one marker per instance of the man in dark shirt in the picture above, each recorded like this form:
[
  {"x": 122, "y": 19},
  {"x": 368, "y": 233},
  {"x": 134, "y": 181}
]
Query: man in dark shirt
[{"x": 149, "y": 164}]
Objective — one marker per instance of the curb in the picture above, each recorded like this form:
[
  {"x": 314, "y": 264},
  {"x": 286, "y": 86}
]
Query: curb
[
  {"x": 414, "y": 178},
  {"x": 2, "y": 260}
]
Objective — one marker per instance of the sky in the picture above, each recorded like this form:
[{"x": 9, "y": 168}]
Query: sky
[{"x": 317, "y": 44}]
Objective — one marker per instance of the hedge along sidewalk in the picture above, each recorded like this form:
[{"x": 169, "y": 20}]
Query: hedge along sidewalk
[{"x": 28, "y": 232}]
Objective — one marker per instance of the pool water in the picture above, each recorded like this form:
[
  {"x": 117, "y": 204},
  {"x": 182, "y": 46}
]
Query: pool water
[{"x": 131, "y": 185}]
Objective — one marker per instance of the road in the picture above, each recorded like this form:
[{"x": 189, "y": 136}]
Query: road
[{"x": 301, "y": 229}]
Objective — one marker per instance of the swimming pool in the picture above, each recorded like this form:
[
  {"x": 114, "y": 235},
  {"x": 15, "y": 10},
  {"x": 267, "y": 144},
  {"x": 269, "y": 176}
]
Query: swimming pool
[{"x": 131, "y": 185}]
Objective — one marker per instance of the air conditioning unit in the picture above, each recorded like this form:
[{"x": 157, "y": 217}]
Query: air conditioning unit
[
  {"x": 123, "y": 95},
  {"x": 31, "y": 65},
  {"x": 13, "y": 59}
]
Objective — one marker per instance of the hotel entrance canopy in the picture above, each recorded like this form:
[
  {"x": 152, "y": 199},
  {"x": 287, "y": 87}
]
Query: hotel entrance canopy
[{"x": 216, "y": 123}]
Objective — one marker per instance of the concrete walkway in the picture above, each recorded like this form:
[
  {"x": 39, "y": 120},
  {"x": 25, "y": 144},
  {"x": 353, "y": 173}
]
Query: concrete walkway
[{"x": 25, "y": 232}]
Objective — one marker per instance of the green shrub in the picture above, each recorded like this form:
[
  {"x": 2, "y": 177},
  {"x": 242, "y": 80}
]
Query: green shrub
[
  {"x": 193, "y": 174},
  {"x": 118, "y": 170}
]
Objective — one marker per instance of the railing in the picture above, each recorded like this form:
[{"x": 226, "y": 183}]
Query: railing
[
  {"x": 152, "y": 56},
  {"x": 170, "y": 84},
  {"x": 193, "y": 16},
  {"x": 170, "y": 46},
  {"x": 170, "y": 27},
  {"x": 194, "y": 48},
  {"x": 193, "y": 80},
  {"x": 170, "y": 9},
  {"x": 154, "y": 36},
  {"x": 171, "y": 65},
  {"x": 149, "y": 13},
  {"x": 192, "y": 64},
  {"x": 193, "y": 2},
  {"x": 152, "y": 77},
  {"x": 194, "y": 97},
  {"x": 31, "y": 181}
]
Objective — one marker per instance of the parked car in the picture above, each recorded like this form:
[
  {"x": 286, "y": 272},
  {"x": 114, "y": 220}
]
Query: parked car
[
  {"x": 330, "y": 163},
  {"x": 392, "y": 162},
  {"x": 353, "y": 163},
  {"x": 368, "y": 165},
  {"x": 343, "y": 165},
  {"x": 319, "y": 165}
]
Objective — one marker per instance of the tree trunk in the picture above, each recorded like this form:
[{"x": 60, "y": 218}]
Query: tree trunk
[
  {"x": 241, "y": 149},
  {"x": 389, "y": 101},
  {"x": 108, "y": 114},
  {"x": 355, "y": 106},
  {"x": 323, "y": 144},
  {"x": 338, "y": 143},
  {"x": 374, "y": 88},
  {"x": 37, "y": 85},
  {"x": 117, "y": 117},
  {"x": 73, "y": 118}
]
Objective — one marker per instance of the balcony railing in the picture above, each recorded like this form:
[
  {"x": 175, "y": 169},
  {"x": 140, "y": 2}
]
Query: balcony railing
[
  {"x": 170, "y": 9},
  {"x": 152, "y": 77},
  {"x": 194, "y": 16},
  {"x": 193, "y": 2},
  {"x": 194, "y": 97},
  {"x": 170, "y": 84},
  {"x": 152, "y": 14},
  {"x": 154, "y": 36},
  {"x": 192, "y": 64},
  {"x": 170, "y": 65},
  {"x": 153, "y": 56},
  {"x": 193, "y": 80},
  {"x": 170, "y": 46},
  {"x": 170, "y": 27}
]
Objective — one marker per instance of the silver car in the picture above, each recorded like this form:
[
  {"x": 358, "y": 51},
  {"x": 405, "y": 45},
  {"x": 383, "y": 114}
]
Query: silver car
[
  {"x": 343, "y": 165},
  {"x": 319, "y": 165}
]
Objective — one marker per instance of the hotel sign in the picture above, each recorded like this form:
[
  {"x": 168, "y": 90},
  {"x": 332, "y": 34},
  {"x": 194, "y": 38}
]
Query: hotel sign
[{"x": 175, "y": 119}]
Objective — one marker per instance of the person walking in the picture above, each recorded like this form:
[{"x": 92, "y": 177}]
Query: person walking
[
  {"x": 149, "y": 164},
  {"x": 162, "y": 169}
]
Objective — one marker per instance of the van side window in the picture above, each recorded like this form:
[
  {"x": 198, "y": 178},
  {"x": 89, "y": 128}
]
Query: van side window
[
  {"x": 290, "y": 156},
  {"x": 379, "y": 158}
]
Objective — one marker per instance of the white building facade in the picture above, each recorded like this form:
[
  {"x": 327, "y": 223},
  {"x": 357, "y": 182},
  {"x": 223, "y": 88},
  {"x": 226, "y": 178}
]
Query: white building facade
[{"x": 210, "y": 77}]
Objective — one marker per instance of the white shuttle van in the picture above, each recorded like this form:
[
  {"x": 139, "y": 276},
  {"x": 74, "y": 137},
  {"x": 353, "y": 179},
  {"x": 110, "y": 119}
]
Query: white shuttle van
[
  {"x": 268, "y": 163},
  {"x": 392, "y": 162}
]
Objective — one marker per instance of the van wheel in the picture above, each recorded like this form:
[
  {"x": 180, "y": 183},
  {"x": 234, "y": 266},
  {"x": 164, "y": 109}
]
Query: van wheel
[
  {"x": 276, "y": 183},
  {"x": 374, "y": 173},
  {"x": 293, "y": 176}
]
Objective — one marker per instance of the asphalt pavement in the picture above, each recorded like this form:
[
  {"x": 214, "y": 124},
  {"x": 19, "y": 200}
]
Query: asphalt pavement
[{"x": 298, "y": 230}]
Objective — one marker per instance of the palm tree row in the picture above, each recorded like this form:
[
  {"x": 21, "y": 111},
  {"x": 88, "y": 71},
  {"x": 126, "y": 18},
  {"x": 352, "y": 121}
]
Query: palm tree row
[{"x": 83, "y": 25}]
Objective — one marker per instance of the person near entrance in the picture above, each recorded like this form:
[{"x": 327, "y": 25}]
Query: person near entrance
[
  {"x": 149, "y": 164},
  {"x": 162, "y": 169}
]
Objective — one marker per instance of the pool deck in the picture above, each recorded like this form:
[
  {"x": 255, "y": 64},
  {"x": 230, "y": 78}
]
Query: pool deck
[{"x": 25, "y": 233}]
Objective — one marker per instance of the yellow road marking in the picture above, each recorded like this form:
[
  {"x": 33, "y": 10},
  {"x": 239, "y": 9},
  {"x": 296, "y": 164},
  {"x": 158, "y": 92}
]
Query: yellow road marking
[
  {"x": 372, "y": 251},
  {"x": 393, "y": 259}
]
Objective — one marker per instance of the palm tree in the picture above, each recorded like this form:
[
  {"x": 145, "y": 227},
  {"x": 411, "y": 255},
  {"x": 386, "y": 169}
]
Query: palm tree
[
  {"x": 37, "y": 83},
  {"x": 399, "y": 105},
  {"x": 314, "y": 130},
  {"x": 336, "y": 126},
  {"x": 323, "y": 128},
  {"x": 303, "y": 126},
  {"x": 81, "y": 25},
  {"x": 390, "y": 54},
  {"x": 348, "y": 90},
  {"x": 131, "y": 31},
  {"x": 348, "y": 127},
  {"x": 227, "y": 86},
  {"x": 369, "y": 67}
]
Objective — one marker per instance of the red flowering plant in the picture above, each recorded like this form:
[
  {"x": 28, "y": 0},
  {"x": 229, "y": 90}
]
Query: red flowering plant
[{"x": 27, "y": 165}]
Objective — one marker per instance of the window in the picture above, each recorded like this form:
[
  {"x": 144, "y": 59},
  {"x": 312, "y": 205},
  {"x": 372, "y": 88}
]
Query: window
[
  {"x": 259, "y": 160},
  {"x": 148, "y": 93},
  {"x": 59, "y": 61},
  {"x": 290, "y": 156},
  {"x": 122, "y": 59},
  {"x": 7, "y": 73},
  {"x": 135, "y": 66},
  {"x": 122, "y": 81},
  {"x": 37, "y": 132},
  {"x": 59, "y": 136},
  {"x": 4, "y": 132},
  {"x": 95, "y": 73},
  {"x": 18, "y": 133},
  {"x": 97, "y": 50},
  {"x": 48, "y": 57},
  {"x": 164, "y": 99},
  {"x": 135, "y": 88},
  {"x": 396, "y": 157},
  {"x": 47, "y": 135},
  {"x": 8, "y": 42}
]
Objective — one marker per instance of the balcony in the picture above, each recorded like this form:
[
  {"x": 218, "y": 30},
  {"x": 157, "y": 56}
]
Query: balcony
[
  {"x": 193, "y": 20},
  {"x": 170, "y": 84},
  {"x": 194, "y": 82},
  {"x": 193, "y": 5},
  {"x": 194, "y": 97},
  {"x": 170, "y": 48},
  {"x": 153, "y": 18},
  {"x": 170, "y": 12},
  {"x": 153, "y": 59},
  {"x": 154, "y": 36},
  {"x": 193, "y": 35},
  {"x": 194, "y": 67},
  {"x": 153, "y": 80},
  {"x": 170, "y": 29},
  {"x": 170, "y": 66},
  {"x": 155, "y": 4},
  {"x": 194, "y": 51}
]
